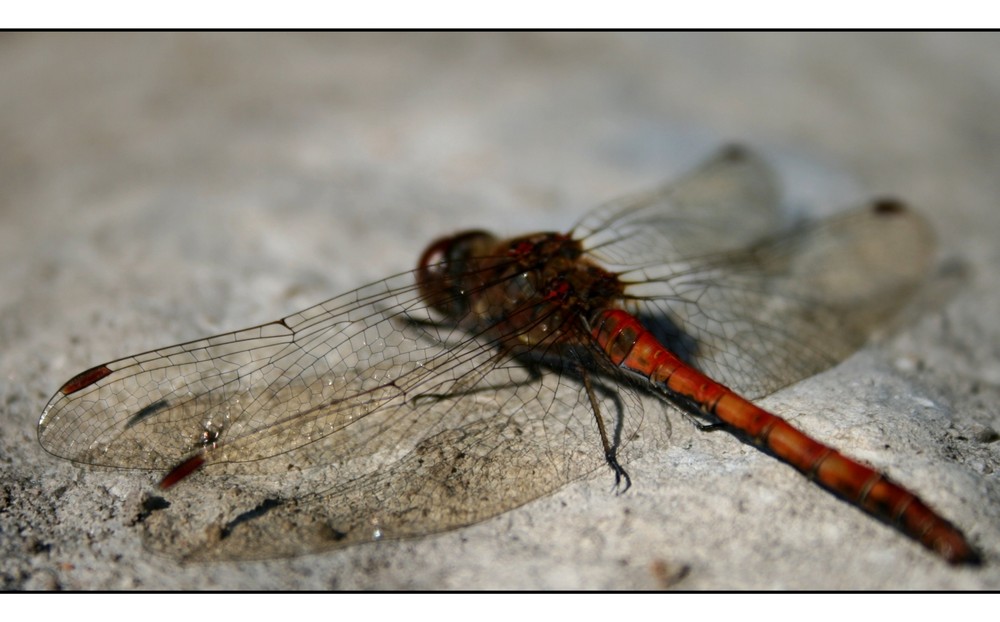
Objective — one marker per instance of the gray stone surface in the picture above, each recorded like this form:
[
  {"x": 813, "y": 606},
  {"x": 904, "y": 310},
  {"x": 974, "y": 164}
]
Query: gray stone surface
[{"x": 159, "y": 188}]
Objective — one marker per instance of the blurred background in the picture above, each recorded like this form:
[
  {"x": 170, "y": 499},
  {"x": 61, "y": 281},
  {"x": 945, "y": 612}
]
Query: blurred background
[{"x": 163, "y": 187}]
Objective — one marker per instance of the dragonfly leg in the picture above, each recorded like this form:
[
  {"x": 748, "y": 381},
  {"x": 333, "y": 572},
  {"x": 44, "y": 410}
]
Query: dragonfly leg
[{"x": 610, "y": 451}]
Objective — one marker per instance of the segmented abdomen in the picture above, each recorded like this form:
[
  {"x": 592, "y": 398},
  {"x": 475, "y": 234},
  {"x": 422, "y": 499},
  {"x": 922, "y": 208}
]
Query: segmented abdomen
[{"x": 630, "y": 346}]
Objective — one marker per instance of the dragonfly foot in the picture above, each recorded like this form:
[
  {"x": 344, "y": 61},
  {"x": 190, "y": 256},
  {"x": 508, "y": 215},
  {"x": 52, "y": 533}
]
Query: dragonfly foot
[
  {"x": 620, "y": 474},
  {"x": 710, "y": 427}
]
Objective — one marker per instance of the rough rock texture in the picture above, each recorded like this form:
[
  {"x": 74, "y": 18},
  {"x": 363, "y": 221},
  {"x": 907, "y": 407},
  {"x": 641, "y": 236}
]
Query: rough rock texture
[{"x": 159, "y": 188}]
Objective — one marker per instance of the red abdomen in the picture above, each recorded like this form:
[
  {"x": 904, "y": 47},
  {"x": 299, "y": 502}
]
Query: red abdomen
[{"x": 630, "y": 346}]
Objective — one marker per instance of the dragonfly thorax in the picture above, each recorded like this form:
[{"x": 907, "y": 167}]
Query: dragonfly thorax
[{"x": 522, "y": 290}]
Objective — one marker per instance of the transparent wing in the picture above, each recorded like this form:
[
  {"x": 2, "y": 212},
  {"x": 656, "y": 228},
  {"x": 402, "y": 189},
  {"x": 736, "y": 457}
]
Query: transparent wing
[
  {"x": 151, "y": 409},
  {"x": 729, "y": 202},
  {"x": 458, "y": 475},
  {"x": 372, "y": 411},
  {"x": 757, "y": 307}
]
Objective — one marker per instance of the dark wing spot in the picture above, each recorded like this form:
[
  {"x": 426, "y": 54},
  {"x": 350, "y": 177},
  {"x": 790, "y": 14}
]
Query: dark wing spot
[
  {"x": 888, "y": 206},
  {"x": 182, "y": 470},
  {"x": 85, "y": 379},
  {"x": 734, "y": 152}
]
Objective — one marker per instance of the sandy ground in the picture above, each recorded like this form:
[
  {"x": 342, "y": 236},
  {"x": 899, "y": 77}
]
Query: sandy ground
[{"x": 160, "y": 188}]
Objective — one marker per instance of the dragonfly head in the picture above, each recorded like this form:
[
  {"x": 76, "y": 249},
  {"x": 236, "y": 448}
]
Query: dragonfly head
[{"x": 447, "y": 269}]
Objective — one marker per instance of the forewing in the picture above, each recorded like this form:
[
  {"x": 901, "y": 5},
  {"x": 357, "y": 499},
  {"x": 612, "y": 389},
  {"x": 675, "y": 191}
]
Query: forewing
[{"x": 263, "y": 391}]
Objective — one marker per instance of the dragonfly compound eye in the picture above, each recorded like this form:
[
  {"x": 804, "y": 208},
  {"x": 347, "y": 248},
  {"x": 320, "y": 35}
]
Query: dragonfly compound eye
[{"x": 443, "y": 273}]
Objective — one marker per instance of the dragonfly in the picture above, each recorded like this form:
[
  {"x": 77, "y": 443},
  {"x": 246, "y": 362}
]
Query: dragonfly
[{"x": 501, "y": 369}]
